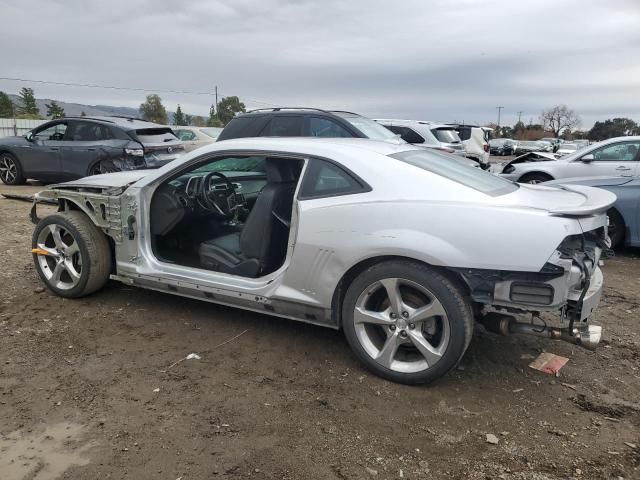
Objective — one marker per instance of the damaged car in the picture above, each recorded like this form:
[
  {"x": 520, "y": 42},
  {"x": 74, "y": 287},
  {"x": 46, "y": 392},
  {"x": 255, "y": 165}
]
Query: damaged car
[
  {"x": 350, "y": 234},
  {"x": 74, "y": 147},
  {"x": 616, "y": 157}
]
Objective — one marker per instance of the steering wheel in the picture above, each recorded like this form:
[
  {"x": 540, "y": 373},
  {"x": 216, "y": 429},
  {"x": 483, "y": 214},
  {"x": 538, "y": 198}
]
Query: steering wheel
[{"x": 224, "y": 203}]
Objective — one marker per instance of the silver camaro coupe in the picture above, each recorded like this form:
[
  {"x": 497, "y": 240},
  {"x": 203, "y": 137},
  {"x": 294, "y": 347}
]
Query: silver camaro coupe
[{"x": 401, "y": 248}]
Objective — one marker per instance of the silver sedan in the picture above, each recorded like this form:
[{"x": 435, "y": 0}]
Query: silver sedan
[{"x": 396, "y": 246}]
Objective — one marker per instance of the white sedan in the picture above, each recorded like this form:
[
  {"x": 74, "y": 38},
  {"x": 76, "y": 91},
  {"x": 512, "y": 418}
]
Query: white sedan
[
  {"x": 618, "y": 156},
  {"x": 196, "y": 137}
]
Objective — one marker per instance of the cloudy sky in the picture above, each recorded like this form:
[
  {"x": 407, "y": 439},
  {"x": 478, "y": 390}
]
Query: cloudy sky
[{"x": 431, "y": 60}]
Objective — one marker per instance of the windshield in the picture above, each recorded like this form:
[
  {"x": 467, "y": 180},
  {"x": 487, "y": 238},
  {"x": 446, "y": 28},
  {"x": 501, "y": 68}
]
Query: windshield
[
  {"x": 212, "y": 132},
  {"x": 155, "y": 135},
  {"x": 568, "y": 146},
  {"x": 446, "y": 135},
  {"x": 368, "y": 127},
  {"x": 472, "y": 177}
]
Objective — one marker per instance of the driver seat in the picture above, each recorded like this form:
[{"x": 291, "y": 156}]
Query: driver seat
[{"x": 261, "y": 245}]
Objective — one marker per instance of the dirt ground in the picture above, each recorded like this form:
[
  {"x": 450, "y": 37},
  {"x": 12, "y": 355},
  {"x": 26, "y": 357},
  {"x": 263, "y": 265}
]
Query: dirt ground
[{"x": 86, "y": 392}]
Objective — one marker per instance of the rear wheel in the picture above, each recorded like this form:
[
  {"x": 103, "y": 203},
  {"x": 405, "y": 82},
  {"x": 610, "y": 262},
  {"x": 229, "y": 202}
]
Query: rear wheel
[
  {"x": 535, "y": 177},
  {"x": 406, "y": 322},
  {"x": 10, "y": 170},
  {"x": 616, "y": 228},
  {"x": 103, "y": 166},
  {"x": 72, "y": 256}
]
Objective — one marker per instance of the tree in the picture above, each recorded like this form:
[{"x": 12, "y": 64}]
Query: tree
[
  {"x": 82, "y": 114},
  {"x": 6, "y": 106},
  {"x": 28, "y": 107},
  {"x": 188, "y": 119},
  {"x": 54, "y": 110},
  {"x": 153, "y": 111},
  {"x": 228, "y": 107},
  {"x": 198, "y": 121},
  {"x": 178, "y": 118},
  {"x": 559, "y": 117},
  {"x": 213, "y": 120},
  {"x": 618, "y": 127}
]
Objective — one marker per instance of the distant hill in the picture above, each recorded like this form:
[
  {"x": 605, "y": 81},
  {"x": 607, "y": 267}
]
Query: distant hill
[{"x": 76, "y": 109}]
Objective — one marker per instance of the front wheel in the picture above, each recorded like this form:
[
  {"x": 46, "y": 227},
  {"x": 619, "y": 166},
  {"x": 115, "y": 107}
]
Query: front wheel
[
  {"x": 535, "y": 177},
  {"x": 72, "y": 256},
  {"x": 617, "y": 228},
  {"x": 406, "y": 322},
  {"x": 11, "y": 170}
]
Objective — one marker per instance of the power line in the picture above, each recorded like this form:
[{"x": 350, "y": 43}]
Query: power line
[{"x": 131, "y": 89}]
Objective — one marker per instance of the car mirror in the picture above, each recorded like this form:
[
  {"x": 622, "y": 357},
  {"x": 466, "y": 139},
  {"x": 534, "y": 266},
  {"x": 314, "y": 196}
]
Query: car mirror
[
  {"x": 587, "y": 158},
  {"x": 29, "y": 137}
]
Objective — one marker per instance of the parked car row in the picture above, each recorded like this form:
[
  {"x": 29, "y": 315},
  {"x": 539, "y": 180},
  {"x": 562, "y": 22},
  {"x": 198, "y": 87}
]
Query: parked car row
[{"x": 508, "y": 146}]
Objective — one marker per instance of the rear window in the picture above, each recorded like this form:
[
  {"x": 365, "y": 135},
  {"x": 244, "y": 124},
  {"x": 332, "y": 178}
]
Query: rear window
[
  {"x": 469, "y": 176},
  {"x": 284, "y": 126},
  {"x": 464, "y": 133},
  {"x": 406, "y": 134},
  {"x": 446, "y": 135},
  {"x": 155, "y": 135},
  {"x": 368, "y": 127}
]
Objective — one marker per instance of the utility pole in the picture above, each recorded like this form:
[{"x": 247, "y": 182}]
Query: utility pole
[
  {"x": 217, "y": 103},
  {"x": 499, "y": 110},
  {"x": 520, "y": 116}
]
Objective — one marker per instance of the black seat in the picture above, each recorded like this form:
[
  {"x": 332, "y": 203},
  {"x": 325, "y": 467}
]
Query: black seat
[{"x": 260, "y": 247}]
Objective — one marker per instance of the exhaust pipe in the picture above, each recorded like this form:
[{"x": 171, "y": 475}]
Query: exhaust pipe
[{"x": 587, "y": 337}]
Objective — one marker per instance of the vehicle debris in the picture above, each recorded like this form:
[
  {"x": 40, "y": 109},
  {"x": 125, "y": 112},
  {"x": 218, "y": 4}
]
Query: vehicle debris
[
  {"x": 191, "y": 356},
  {"x": 549, "y": 363}
]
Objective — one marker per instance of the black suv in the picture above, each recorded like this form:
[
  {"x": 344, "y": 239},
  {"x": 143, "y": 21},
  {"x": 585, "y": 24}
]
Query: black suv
[
  {"x": 74, "y": 147},
  {"x": 304, "y": 122}
]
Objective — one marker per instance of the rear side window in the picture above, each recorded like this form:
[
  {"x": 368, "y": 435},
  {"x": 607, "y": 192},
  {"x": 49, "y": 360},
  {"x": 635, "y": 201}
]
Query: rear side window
[
  {"x": 284, "y": 126},
  {"x": 90, "y": 132},
  {"x": 446, "y": 135},
  {"x": 464, "y": 133},
  {"x": 185, "y": 135},
  {"x": 325, "y": 179},
  {"x": 244, "y": 126},
  {"x": 322, "y": 127},
  {"x": 155, "y": 135},
  {"x": 407, "y": 134}
]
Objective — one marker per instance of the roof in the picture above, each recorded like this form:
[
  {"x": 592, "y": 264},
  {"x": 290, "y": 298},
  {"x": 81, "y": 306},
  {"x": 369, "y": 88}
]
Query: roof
[
  {"x": 126, "y": 123},
  {"x": 425, "y": 123}
]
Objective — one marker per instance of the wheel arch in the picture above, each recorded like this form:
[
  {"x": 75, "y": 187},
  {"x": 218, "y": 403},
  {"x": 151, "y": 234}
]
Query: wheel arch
[
  {"x": 536, "y": 172},
  {"x": 352, "y": 273}
]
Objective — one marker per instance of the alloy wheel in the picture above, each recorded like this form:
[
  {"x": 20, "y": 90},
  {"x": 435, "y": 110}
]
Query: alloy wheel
[
  {"x": 59, "y": 258},
  {"x": 401, "y": 325},
  {"x": 8, "y": 170}
]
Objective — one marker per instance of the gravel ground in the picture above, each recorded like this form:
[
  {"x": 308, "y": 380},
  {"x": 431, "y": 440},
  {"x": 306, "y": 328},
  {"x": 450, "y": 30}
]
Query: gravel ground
[{"x": 90, "y": 389}]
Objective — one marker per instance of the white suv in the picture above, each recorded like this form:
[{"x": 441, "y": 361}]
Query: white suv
[
  {"x": 476, "y": 142},
  {"x": 426, "y": 134}
]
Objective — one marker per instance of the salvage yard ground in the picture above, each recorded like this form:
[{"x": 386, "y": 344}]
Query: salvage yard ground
[{"x": 86, "y": 392}]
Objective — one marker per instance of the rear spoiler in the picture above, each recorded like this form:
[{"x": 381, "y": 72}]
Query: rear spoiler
[{"x": 596, "y": 200}]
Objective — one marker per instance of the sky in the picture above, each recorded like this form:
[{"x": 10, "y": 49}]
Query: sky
[{"x": 418, "y": 59}]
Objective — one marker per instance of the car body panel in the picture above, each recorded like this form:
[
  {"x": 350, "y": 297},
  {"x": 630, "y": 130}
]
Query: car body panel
[
  {"x": 627, "y": 192},
  {"x": 407, "y": 213}
]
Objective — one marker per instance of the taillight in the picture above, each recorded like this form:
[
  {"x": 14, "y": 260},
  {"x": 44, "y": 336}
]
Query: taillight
[{"x": 486, "y": 147}]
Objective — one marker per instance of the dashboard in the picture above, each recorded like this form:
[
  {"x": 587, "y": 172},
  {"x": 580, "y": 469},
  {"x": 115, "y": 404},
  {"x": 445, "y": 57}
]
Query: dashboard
[{"x": 176, "y": 201}]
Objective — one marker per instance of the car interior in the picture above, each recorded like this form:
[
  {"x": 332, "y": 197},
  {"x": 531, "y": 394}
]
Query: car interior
[{"x": 229, "y": 215}]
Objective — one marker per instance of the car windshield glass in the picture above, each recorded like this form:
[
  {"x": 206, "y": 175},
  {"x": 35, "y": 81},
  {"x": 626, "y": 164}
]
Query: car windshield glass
[
  {"x": 368, "y": 127},
  {"x": 234, "y": 164},
  {"x": 155, "y": 135},
  {"x": 212, "y": 132},
  {"x": 469, "y": 176},
  {"x": 445, "y": 135}
]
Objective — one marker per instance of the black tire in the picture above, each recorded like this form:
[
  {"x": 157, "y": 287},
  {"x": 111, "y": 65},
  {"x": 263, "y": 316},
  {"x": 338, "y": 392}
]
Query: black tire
[
  {"x": 11, "y": 170},
  {"x": 102, "y": 166},
  {"x": 93, "y": 253},
  {"x": 617, "y": 228},
  {"x": 459, "y": 317},
  {"x": 535, "y": 177}
]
